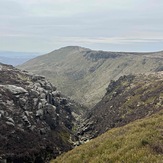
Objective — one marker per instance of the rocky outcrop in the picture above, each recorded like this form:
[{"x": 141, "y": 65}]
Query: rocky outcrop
[
  {"x": 36, "y": 120},
  {"x": 98, "y": 55}
]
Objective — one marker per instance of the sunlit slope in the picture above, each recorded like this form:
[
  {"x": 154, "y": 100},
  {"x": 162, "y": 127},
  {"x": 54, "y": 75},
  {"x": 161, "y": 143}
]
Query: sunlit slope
[
  {"x": 84, "y": 74},
  {"x": 140, "y": 141}
]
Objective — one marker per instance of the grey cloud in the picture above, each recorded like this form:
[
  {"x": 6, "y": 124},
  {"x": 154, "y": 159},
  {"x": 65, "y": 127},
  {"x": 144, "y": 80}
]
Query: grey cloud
[
  {"x": 9, "y": 8},
  {"x": 54, "y": 24}
]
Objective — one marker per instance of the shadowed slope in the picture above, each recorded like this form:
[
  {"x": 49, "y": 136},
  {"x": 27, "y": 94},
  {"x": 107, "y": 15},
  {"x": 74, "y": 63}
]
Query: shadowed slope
[{"x": 129, "y": 98}]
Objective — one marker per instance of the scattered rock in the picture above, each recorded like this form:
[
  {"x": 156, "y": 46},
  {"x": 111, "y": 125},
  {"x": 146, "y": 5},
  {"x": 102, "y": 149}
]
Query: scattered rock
[
  {"x": 34, "y": 93},
  {"x": 10, "y": 124},
  {"x": 10, "y": 119},
  {"x": 14, "y": 89},
  {"x": 37, "y": 77},
  {"x": 39, "y": 113}
]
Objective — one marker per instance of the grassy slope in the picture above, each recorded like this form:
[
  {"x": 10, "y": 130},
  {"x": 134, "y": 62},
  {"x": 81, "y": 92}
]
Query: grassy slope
[
  {"x": 70, "y": 71},
  {"x": 140, "y": 141}
]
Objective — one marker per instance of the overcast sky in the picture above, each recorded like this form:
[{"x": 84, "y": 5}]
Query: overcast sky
[{"x": 115, "y": 25}]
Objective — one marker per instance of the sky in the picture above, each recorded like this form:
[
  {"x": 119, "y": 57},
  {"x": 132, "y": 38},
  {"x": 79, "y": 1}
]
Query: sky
[{"x": 114, "y": 25}]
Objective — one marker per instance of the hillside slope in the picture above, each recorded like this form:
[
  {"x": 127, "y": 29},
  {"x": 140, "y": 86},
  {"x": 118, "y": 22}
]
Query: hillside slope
[
  {"x": 129, "y": 98},
  {"x": 140, "y": 141},
  {"x": 84, "y": 74},
  {"x": 36, "y": 120}
]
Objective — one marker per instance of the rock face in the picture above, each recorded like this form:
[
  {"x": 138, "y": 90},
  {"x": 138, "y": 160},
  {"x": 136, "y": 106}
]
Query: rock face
[
  {"x": 35, "y": 119},
  {"x": 127, "y": 99}
]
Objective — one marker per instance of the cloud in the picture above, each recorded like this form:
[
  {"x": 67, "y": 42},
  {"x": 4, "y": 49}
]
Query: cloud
[
  {"x": 9, "y": 8},
  {"x": 56, "y": 23},
  {"x": 108, "y": 40}
]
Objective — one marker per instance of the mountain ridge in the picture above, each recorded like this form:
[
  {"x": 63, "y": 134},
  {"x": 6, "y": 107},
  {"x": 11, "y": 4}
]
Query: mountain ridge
[{"x": 84, "y": 74}]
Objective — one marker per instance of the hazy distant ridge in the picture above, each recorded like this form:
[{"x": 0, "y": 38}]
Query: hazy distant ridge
[{"x": 16, "y": 58}]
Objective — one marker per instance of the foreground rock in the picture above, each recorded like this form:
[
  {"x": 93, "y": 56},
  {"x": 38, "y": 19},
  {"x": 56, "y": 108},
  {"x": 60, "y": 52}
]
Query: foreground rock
[{"x": 35, "y": 119}]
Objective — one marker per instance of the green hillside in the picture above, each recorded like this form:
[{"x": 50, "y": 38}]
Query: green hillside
[
  {"x": 139, "y": 141},
  {"x": 84, "y": 74}
]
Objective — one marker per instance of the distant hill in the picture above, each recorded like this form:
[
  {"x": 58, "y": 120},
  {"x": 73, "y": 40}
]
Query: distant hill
[
  {"x": 84, "y": 74},
  {"x": 16, "y": 58}
]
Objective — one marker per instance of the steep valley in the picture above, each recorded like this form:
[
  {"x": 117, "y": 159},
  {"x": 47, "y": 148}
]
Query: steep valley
[
  {"x": 122, "y": 122},
  {"x": 127, "y": 124},
  {"x": 81, "y": 81}
]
